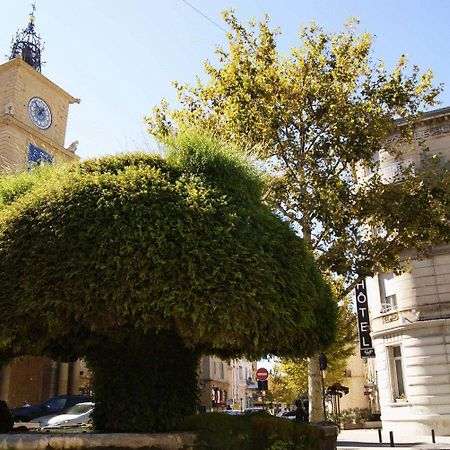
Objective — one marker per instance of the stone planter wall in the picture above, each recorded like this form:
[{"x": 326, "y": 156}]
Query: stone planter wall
[
  {"x": 113, "y": 441},
  {"x": 329, "y": 434}
]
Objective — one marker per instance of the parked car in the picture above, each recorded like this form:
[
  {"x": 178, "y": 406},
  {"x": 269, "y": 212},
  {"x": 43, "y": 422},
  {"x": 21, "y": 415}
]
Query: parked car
[
  {"x": 75, "y": 416},
  {"x": 232, "y": 412},
  {"x": 256, "y": 410},
  {"x": 287, "y": 415},
  {"x": 54, "y": 405}
]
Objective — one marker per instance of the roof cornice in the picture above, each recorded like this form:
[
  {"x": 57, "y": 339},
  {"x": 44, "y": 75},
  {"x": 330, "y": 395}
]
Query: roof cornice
[{"x": 433, "y": 115}]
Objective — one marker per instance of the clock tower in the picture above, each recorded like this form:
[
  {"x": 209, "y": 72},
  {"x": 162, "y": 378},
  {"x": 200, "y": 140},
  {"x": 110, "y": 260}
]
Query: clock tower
[
  {"x": 33, "y": 109},
  {"x": 33, "y": 119}
]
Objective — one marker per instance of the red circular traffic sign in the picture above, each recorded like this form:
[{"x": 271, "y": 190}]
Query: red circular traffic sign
[{"x": 262, "y": 374}]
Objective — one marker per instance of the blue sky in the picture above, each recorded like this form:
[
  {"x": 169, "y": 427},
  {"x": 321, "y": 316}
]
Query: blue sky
[{"x": 120, "y": 57}]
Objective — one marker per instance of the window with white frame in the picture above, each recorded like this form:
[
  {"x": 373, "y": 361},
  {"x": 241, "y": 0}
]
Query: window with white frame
[
  {"x": 389, "y": 303},
  {"x": 396, "y": 368}
]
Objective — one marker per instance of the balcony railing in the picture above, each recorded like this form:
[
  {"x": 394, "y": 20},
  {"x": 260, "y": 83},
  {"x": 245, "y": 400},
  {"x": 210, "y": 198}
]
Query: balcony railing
[{"x": 387, "y": 308}]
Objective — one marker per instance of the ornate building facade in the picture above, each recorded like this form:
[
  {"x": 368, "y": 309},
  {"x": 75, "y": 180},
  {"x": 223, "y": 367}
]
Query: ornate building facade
[{"x": 410, "y": 318}]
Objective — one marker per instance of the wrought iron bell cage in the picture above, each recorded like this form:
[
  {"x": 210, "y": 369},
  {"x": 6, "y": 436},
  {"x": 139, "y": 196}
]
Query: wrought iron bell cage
[{"x": 28, "y": 45}]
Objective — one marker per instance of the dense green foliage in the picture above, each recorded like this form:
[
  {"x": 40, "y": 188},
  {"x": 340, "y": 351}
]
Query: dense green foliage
[
  {"x": 251, "y": 432},
  {"x": 132, "y": 248},
  {"x": 14, "y": 185}
]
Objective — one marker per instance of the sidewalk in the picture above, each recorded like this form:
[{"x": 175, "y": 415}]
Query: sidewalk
[{"x": 368, "y": 439}]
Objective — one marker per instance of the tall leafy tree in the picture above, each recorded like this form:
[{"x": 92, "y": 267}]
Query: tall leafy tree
[
  {"x": 290, "y": 378},
  {"x": 316, "y": 117},
  {"x": 141, "y": 264}
]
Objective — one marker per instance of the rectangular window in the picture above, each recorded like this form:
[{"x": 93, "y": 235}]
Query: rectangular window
[
  {"x": 222, "y": 373},
  {"x": 397, "y": 379}
]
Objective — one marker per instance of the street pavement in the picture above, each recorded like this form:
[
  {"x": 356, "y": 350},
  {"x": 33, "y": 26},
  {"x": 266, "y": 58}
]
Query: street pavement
[{"x": 368, "y": 439}]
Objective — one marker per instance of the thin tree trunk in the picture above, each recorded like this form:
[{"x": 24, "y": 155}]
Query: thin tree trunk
[
  {"x": 315, "y": 394},
  {"x": 316, "y": 413}
]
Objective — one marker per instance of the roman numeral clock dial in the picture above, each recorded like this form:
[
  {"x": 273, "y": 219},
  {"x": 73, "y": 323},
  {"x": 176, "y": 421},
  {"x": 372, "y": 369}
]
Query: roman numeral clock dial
[{"x": 39, "y": 113}]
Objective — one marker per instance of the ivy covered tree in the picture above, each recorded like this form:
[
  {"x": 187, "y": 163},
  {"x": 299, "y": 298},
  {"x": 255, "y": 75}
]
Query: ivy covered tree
[
  {"x": 316, "y": 117},
  {"x": 141, "y": 264}
]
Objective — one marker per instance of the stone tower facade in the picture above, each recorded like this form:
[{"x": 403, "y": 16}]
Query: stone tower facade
[
  {"x": 24, "y": 137},
  {"x": 33, "y": 120}
]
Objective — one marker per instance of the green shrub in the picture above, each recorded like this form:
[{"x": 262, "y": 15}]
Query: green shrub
[
  {"x": 153, "y": 262},
  {"x": 217, "y": 431}
]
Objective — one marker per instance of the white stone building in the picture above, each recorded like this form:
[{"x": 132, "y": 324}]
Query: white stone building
[{"x": 410, "y": 321}]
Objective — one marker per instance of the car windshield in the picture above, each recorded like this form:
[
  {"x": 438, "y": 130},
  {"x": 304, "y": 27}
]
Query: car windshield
[
  {"x": 79, "y": 409},
  {"x": 55, "y": 403}
]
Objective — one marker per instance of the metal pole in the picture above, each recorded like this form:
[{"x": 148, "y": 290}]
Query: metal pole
[
  {"x": 380, "y": 438},
  {"x": 323, "y": 397},
  {"x": 391, "y": 438}
]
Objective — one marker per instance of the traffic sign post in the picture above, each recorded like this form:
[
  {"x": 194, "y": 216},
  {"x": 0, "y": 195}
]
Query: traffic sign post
[
  {"x": 263, "y": 385},
  {"x": 262, "y": 374}
]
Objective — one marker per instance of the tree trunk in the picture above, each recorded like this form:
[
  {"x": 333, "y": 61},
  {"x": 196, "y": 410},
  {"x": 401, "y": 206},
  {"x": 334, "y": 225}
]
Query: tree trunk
[
  {"x": 316, "y": 413},
  {"x": 142, "y": 383},
  {"x": 315, "y": 392}
]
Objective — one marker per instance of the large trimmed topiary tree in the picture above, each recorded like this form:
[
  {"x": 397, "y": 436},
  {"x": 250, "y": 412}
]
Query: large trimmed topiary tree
[{"x": 141, "y": 264}]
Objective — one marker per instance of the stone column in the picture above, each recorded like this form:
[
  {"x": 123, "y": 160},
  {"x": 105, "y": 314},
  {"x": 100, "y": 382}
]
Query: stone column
[
  {"x": 63, "y": 378},
  {"x": 74, "y": 377},
  {"x": 54, "y": 379},
  {"x": 5, "y": 377}
]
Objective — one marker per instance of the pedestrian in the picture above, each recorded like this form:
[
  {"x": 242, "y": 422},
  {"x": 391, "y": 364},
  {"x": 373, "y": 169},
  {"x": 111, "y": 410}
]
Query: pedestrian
[
  {"x": 306, "y": 410},
  {"x": 299, "y": 411}
]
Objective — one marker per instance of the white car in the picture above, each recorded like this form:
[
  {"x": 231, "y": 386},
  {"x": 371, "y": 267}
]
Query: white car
[{"x": 76, "y": 415}]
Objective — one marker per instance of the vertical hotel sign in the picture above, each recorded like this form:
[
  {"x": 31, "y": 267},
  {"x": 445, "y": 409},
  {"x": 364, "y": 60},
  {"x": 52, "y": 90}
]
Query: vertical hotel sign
[{"x": 362, "y": 308}]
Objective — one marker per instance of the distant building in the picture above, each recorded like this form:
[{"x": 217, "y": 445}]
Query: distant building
[
  {"x": 226, "y": 384},
  {"x": 357, "y": 378}
]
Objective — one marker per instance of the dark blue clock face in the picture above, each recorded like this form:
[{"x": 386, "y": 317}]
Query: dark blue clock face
[{"x": 39, "y": 113}]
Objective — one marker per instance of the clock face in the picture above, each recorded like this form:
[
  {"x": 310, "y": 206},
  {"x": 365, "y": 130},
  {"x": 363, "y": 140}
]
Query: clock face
[{"x": 39, "y": 113}]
